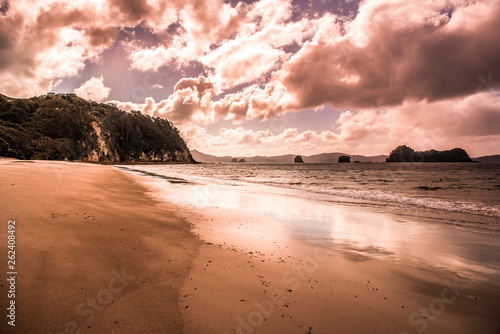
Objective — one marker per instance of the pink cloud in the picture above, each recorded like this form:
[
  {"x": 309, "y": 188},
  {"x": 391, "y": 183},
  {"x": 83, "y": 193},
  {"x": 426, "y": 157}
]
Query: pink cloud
[
  {"x": 423, "y": 125},
  {"x": 48, "y": 41},
  {"x": 191, "y": 102},
  {"x": 247, "y": 142},
  {"x": 93, "y": 89},
  {"x": 398, "y": 50},
  {"x": 392, "y": 52},
  {"x": 197, "y": 32}
]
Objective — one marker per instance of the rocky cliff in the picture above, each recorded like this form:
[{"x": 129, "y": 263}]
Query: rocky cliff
[{"x": 65, "y": 127}]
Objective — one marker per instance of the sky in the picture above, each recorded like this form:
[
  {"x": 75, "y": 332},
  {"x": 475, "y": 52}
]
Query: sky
[{"x": 272, "y": 77}]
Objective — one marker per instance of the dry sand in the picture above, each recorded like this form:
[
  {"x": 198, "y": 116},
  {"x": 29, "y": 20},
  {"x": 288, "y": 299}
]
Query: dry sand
[
  {"x": 97, "y": 254},
  {"x": 93, "y": 252}
]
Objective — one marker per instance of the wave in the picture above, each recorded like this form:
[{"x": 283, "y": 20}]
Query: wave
[
  {"x": 387, "y": 198},
  {"x": 427, "y": 188},
  {"x": 343, "y": 190}
]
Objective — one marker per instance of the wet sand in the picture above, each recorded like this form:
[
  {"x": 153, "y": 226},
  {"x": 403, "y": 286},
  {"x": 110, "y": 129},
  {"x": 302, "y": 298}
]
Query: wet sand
[
  {"x": 97, "y": 253},
  {"x": 301, "y": 289}
]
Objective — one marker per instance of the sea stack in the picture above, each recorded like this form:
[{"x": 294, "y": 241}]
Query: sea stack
[
  {"x": 298, "y": 159},
  {"x": 344, "y": 159}
]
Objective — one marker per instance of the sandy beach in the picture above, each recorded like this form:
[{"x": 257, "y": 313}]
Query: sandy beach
[
  {"x": 94, "y": 254},
  {"x": 98, "y": 253}
]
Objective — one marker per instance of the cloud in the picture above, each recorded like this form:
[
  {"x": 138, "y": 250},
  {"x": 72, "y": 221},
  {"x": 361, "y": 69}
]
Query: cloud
[
  {"x": 395, "y": 51},
  {"x": 101, "y": 36},
  {"x": 196, "y": 32},
  {"x": 248, "y": 57},
  {"x": 134, "y": 10},
  {"x": 93, "y": 89},
  {"x": 44, "y": 42},
  {"x": 470, "y": 122},
  {"x": 423, "y": 125},
  {"x": 191, "y": 102},
  {"x": 236, "y": 44},
  {"x": 247, "y": 142},
  {"x": 254, "y": 102}
]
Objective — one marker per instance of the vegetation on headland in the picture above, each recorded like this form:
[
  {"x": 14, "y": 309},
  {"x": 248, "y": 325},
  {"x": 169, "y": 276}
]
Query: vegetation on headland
[
  {"x": 404, "y": 153},
  {"x": 65, "y": 127}
]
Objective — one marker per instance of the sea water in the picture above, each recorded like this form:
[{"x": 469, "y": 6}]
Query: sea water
[
  {"x": 466, "y": 195},
  {"x": 445, "y": 215}
]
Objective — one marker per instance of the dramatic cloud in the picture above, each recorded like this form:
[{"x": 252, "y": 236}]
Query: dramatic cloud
[
  {"x": 441, "y": 124},
  {"x": 94, "y": 90},
  {"x": 42, "y": 43},
  {"x": 198, "y": 25},
  {"x": 191, "y": 102},
  {"x": 398, "y": 50}
]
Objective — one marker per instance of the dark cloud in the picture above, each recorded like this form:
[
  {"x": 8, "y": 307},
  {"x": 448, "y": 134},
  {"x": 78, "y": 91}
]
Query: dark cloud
[
  {"x": 4, "y": 7},
  {"x": 59, "y": 15},
  {"x": 10, "y": 27},
  {"x": 101, "y": 36},
  {"x": 315, "y": 7},
  {"x": 483, "y": 121},
  {"x": 419, "y": 60},
  {"x": 133, "y": 9}
]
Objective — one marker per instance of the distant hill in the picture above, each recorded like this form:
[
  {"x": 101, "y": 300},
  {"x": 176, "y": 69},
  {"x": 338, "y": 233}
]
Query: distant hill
[
  {"x": 66, "y": 127},
  {"x": 489, "y": 158},
  {"x": 404, "y": 153},
  {"x": 288, "y": 158}
]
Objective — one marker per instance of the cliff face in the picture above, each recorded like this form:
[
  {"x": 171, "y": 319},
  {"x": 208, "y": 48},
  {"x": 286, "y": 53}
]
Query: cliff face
[
  {"x": 404, "y": 153},
  {"x": 64, "y": 127}
]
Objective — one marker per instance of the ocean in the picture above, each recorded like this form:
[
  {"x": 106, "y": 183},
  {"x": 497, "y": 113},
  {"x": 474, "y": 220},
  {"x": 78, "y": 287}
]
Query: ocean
[{"x": 462, "y": 195}]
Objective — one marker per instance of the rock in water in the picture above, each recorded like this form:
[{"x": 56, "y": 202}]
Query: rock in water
[
  {"x": 298, "y": 159},
  {"x": 404, "y": 153},
  {"x": 344, "y": 159}
]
